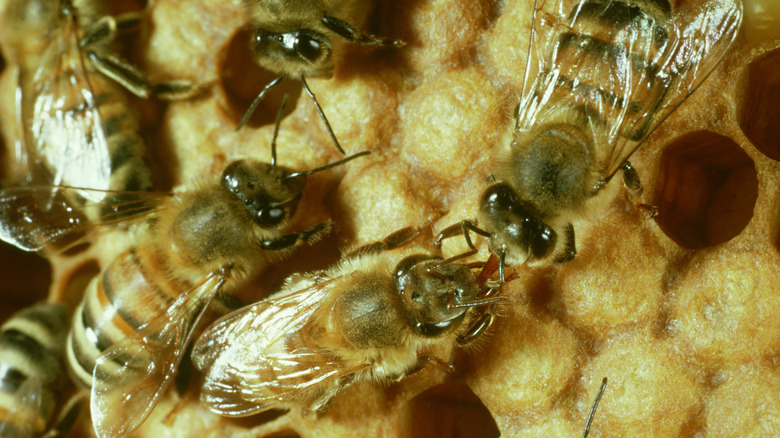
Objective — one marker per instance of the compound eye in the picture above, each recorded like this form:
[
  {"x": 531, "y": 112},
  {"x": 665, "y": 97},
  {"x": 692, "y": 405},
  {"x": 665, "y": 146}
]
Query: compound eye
[
  {"x": 270, "y": 217},
  {"x": 308, "y": 47},
  {"x": 500, "y": 196},
  {"x": 263, "y": 40},
  {"x": 543, "y": 238}
]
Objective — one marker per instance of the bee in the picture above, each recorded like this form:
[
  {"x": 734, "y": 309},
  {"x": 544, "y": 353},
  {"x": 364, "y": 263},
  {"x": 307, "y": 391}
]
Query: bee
[
  {"x": 601, "y": 75},
  {"x": 370, "y": 317},
  {"x": 32, "y": 342},
  {"x": 74, "y": 123},
  {"x": 133, "y": 326},
  {"x": 294, "y": 38}
]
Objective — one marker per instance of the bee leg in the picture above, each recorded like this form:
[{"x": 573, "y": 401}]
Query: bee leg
[
  {"x": 103, "y": 32},
  {"x": 570, "y": 248},
  {"x": 67, "y": 417},
  {"x": 424, "y": 360},
  {"x": 634, "y": 185},
  {"x": 478, "y": 328},
  {"x": 322, "y": 115},
  {"x": 307, "y": 237},
  {"x": 461, "y": 228},
  {"x": 348, "y": 32},
  {"x": 394, "y": 240},
  {"x": 321, "y": 405}
]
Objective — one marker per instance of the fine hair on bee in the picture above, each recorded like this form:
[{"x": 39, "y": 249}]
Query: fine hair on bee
[
  {"x": 600, "y": 76},
  {"x": 32, "y": 342},
  {"x": 136, "y": 319},
  {"x": 374, "y": 317},
  {"x": 74, "y": 124},
  {"x": 292, "y": 38}
]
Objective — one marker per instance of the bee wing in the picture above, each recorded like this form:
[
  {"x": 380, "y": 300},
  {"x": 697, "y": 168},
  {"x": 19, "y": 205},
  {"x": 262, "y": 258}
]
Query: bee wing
[
  {"x": 627, "y": 70},
  {"x": 23, "y": 419},
  {"x": 66, "y": 130},
  {"x": 248, "y": 367},
  {"x": 34, "y": 217},
  {"x": 130, "y": 377}
]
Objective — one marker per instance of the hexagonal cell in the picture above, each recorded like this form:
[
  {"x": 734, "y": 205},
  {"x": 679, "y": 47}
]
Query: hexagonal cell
[
  {"x": 761, "y": 109},
  {"x": 243, "y": 80},
  {"x": 451, "y": 410},
  {"x": 705, "y": 191}
]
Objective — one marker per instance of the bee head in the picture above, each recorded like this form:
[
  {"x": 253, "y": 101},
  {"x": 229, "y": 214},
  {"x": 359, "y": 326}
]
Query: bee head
[
  {"x": 431, "y": 291},
  {"x": 514, "y": 226},
  {"x": 303, "y": 47},
  {"x": 268, "y": 194}
]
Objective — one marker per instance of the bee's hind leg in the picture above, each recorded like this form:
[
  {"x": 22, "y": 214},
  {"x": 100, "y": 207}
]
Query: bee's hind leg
[
  {"x": 634, "y": 185},
  {"x": 103, "y": 32}
]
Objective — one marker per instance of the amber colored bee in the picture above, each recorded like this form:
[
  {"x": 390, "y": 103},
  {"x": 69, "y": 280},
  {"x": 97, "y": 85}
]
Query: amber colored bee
[
  {"x": 601, "y": 76},
  {"x": 32, "y": 343},
  {"x": 132, "y": 328},
  {"x": 370, "y": 317},
  {"x": 74, "y": 123},
  {"x": 294, "y": 38}
]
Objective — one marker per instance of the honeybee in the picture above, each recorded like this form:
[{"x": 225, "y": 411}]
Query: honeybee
[
  {"x": 601, "y": 75},
  {"x": 31, "y": 348},
  {"x": 293, "y": 38},
  {"x": 74, "y": 123},
  {"x": 131, "y": 329},
  {"x": 370, "y": 317}
]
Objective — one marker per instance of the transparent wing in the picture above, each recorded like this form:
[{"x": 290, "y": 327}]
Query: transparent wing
[
  {"x": 34, "y": 217},
  {"x": 66, "y": 130},
  {"x": 248, "y": 363},
  {"x": 130, "y": 377},
  {"x": 620, "y": 68}
]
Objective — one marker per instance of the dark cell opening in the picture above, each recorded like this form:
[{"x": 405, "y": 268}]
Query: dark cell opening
[
  {"x": 243, "y": 80},
  {"x": 451, "y": 410},
  {"x": 761, "y": 109},
  {"x": 24, "y": 279},
  {"x": 706, "y": 190}
]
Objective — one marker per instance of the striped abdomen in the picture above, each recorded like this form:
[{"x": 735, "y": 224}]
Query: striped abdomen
[
  {"x": 606, "y": 59},
  {"x": 31, "y": 347},
  {"x": 132, "y": 292}
]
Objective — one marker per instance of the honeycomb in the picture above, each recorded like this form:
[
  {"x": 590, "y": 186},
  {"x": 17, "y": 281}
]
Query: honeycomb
[{"x": 679, "y": 312}]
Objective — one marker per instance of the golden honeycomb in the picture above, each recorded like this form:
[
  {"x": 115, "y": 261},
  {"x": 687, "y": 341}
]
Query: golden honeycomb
[{"x": 680, "y": 312}]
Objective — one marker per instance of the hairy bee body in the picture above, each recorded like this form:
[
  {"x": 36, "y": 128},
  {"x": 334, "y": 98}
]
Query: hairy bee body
[
  {"x": 600, "y": 76},
  {"x": 76, "y": 124},
  {"x": 202, "y": 229},
  {"x": 372, "y": 317},
  {"x": 31, "y": 347}
]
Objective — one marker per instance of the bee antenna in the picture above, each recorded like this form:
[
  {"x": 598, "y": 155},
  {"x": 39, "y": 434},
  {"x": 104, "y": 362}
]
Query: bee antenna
[
  {"x": 257, "y": 100},
  {"x": 327, "y": 166},
  {"x": 276, "y": 129}
]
